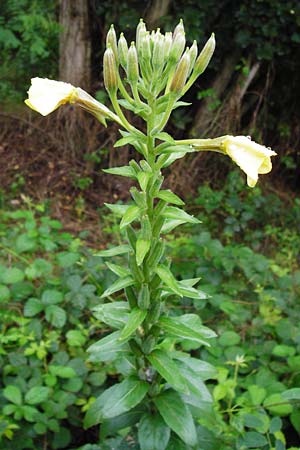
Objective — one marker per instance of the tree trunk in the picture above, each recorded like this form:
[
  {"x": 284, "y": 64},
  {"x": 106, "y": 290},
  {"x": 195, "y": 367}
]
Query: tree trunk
[
  {"x": 75, "y": 43},
  {"x": 157, "y": 9}
]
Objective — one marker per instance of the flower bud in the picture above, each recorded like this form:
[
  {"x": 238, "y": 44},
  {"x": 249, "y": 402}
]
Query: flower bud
[
  {"x": 158, "y": 52},
  {"x": 110, "y": 74},
  {"x": 111, "y": 40},
  {"x": 123, "y": 51},
  {"x": 167, "y": 44},
  {"x": 205, "y": 55},
  {"x": 177, "y": 47},
  {"x": 140, "y": 33},
  {"x": 178, "y": 29},
  {"x": 146, "y": 47},
  {"x": 132, "y": 65},
  {"x": 181, "y": 74},
  {"x": 193, "y": 55}
]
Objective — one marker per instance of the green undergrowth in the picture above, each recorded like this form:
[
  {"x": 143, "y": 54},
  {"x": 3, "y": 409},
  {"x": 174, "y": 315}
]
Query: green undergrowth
[{"x": 51, "y": 280}]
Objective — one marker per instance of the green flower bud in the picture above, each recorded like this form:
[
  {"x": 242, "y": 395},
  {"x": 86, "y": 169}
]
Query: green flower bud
[
  {"x": 177, "y": 47},
  {"x": 158, "y": 52},
  {"x": 111, "y": 40},
  {"x": 193, "y": 52},
  {"x": 146, "y": 47},
  {"x": 205, "y": 55},
  {"x": 181, "y": 74},
  {"x": 123, "y": 51},
  {"x": 132, "y": 65},
  {"x": 178, "y": 29},
  {"x": 110, "y": 73},
  {"x": 141, "y": 30},
  {"x": 167, "y": 44}
]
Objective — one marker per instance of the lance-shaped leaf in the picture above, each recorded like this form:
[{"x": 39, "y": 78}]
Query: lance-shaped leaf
[
  {"x": 203, "y": 369},
  {"x": 171, "y": 212},
  {"x": 116, "y": 400},
  {"x": 113, "y": 314},
  {"x": 170, "y": 224},
  {"x": 118, "y": 270},
  {"x": 118, "y": 210},
  {"x": 123, "y": 171},
  {"x": 135, "y": 318},
  {"x": 107, "y": 348},
  {"x": 193, "y": 321},
  {"x": 169, "y": 197},
  {"x": 194, "y": 382},
  {"x": 153, "y": 433},
  {"x": 114, "y": 251},
  {"x": 131, "y": 214},
  {"x": 121, "y": 283},
  {"x": 142, "y": 248},
  {"x": 177, "y": 416},
  {"x": 168, "y": 278},
  {"x": 177, "y": 329},
  {"x": 143, "y": 179},
  {"x": 167, "y": 368}
]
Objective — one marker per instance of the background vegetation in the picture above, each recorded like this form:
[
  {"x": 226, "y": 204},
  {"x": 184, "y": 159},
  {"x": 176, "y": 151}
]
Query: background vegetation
[{"x": 52, "y": 223}]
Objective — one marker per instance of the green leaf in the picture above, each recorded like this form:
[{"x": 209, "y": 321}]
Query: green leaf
[
  {"x": 107, "y": 348},
  {"x": 75, "y": 338},
  {"x": 167, "y": 368},
  {"x": 204, "y": 369},
  {"x": 123, "y": 171},
  {"x": 190, "y": 292},
  {"x": 30, "y": 413},
  {"x": 12, "y": 275},
  {"x": 131, "y": 214},
  {"x": 37, "y": 394},
  {"x": 177, "y": 329},
  {"x": 153, "y": 434},
  {"x": 4, "y": 293},
  {"x": 143, "y": 179},
  {"x": 62, "y": 371},
  {"x": 56, "y": 315},
  {"x": 25, "y": 243},
  {"x": 252, "y": 439},
  {"x": 291, "y": 394},
  {"x": 168, "y": 278},
  {"x": 277, "y": 405},
  {"x": 135, "y": 318},
  {"x": 114, "y": 251},
  {"x": 121, "y": 283},
  {"x": 118, "y": 270},
  {"x": 113, "y": 314},
  {"x": 116, "y": 400},
  {"x": 128, "y": 419},
  {"x": 170, "y": 224},
  {"x": 229, "y": 338},
  {"x": 52, "y": 297},
  {"x": 177, "y": 416},
  {"x": 13, "y": 394},
  {"x": 118, "y": 210},
  {"x": 67, "y": 259},
  {"x": 169, "y": 197},
  {"x": 171, "y": 212},
  {"x": 124, "y": 141},
  {"x": 193, "y": 321},
  {"x": 142, "y": 248},
  {"x": 163, "y": 136},
  {"x": 194, "y": 382},
  {"x": 32, "y": 307}
]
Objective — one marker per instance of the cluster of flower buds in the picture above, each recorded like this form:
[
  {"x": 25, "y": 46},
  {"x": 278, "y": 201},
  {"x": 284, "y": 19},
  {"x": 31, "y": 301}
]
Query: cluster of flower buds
[{"x": 156, "y": 61}]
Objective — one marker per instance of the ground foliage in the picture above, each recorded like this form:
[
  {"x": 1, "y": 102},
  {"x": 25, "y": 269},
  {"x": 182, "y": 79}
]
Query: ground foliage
[{"x": 50, "y": 280}]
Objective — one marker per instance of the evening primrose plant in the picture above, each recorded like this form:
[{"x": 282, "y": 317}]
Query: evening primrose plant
[{"x": 162, "y": 391}]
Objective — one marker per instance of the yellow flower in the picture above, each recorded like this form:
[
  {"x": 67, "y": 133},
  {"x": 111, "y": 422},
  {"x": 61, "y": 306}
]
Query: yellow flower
[
  {"x": 252, "y": 158},
  {"x": 45, "y": 96}
]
